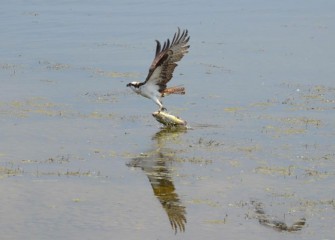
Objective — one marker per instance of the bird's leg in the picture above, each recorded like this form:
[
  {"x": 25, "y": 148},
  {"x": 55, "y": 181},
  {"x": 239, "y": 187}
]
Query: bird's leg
[{"x": 161, "y": 107}]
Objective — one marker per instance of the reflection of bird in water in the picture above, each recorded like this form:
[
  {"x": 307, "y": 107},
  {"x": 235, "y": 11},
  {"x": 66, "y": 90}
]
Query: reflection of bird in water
[
  {"x": 268, "y": 221},
  {"x": 155, "y": 164}
]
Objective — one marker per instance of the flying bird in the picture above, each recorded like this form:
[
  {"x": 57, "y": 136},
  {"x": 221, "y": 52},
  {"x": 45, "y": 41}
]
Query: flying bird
[{"x": 161, "y": 70}]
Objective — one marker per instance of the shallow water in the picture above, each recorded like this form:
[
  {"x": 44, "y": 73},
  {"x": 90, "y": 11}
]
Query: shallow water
[{"x": 82, "y": 157}]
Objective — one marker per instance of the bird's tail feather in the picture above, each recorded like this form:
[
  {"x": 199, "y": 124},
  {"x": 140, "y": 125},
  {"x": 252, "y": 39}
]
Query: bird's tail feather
[{"x": 174, "y": 90}]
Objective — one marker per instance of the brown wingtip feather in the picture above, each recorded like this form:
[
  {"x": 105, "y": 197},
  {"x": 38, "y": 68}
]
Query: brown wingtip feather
[
  {"x": 166, "y": 57},
  {"x": 177, "y": 38}
]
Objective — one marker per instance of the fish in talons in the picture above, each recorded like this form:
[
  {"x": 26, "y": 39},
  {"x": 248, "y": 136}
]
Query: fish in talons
[{"x": 169, "y": 120}]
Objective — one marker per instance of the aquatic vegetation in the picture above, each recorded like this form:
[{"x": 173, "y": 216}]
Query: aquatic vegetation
[
  {"x": 112, "y": 74},
  {"x": 283, "y": 171},
  {"x": 10, "y": 171}
]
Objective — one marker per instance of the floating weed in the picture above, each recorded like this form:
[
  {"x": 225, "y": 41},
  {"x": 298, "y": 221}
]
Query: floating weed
[
  {"x": 194, "y": 160},
  {"x": 54, "y": 166},
  {"x": 103, "y": 97},
  {"x": 78, "y": 173},
  {"x": 58, "y": 66},
  {"x": 112, "y": 74},
  {"x": 35, "y": 105},
  {"x": 238, "y": 204},
  {"x": 54, "y": 66},
  {"x": 328, "y": 156},
  {"x": 233, "y": 109},
  {"x": 314, "y": 204},
  {"x": 68, "y": 173},
  {"x": 122, "y": 75},
  {"x": 60, "y": 159},
  {"x": 29, "y": 161},
  {"x": 306, "y": 97},
  {"x": 8, "y": 66},
  {"x": 317, "y": 175},
  {"x": 208, "y": 143},
  {"x": 249, "y": 149},
  {"x": 217, "y": 221},
  {"x": 205, "y": 202},
  {"x": 7, "y": 172},
  {"x": 292, "y": 130},
  {"x": 263, "y": 104},
  {"x": 278, "y": 131},
  {"x": 276, "y": 194},
  {"x": 234, "y": 163},
  {"x": 302, "y": 121},
  {"x": 99, "y": 115},
  {"x": 272, "y": 170}
]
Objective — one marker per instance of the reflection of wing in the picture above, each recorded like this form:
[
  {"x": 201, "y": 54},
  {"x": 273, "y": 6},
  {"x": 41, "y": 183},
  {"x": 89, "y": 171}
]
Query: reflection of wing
[
  {"x": 154, "y": 166},
  {"x": 171, "y": 203},
  {"x": 270, "y": 221},
  {"x": 164, "y": 190}
]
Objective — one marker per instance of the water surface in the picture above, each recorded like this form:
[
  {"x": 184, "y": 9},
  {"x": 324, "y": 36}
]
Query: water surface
[{"x": 81, "y": 157}]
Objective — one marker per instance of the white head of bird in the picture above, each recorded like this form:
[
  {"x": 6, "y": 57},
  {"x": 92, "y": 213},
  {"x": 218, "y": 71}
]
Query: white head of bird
[{"x": 135, "y": 86}]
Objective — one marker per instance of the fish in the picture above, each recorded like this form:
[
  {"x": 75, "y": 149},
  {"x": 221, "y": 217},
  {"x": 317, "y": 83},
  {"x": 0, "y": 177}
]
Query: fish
[{"x": 169, "y": 120}]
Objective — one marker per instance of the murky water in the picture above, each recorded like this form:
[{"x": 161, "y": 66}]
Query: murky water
[{"x": 81, "y": 157}]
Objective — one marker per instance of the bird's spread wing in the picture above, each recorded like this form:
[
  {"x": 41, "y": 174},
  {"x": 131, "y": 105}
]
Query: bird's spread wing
[{"x": 166, "y": 58}]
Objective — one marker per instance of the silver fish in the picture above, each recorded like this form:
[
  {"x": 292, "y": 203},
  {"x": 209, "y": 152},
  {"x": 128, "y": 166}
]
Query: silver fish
[{"x": 169, "y": 120}]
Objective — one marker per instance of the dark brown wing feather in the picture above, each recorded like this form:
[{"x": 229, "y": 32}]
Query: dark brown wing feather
[{"x": 161, "y": 69}]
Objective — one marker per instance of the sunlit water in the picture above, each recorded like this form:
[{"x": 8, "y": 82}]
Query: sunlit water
[{"x": 81, "y": 157}]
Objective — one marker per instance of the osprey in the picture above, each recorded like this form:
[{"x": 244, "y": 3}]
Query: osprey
[{"x": 161, "y": 69}]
